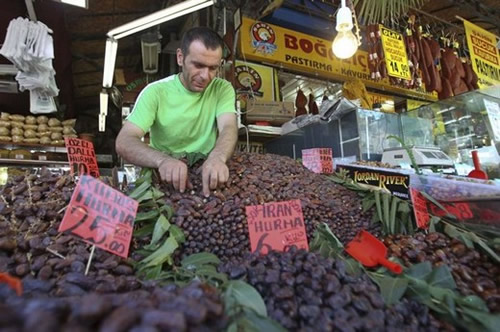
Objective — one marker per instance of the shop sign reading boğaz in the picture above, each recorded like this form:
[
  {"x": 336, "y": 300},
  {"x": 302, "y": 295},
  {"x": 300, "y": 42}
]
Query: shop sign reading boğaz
[{"x": 297, "y": 51}]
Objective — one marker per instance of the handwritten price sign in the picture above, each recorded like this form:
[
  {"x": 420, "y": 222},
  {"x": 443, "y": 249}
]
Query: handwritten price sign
[
  {"x": 424, "y": 209},
  {"x": 396, "y": 59},
  {"x": 81, "y": 157},
  {"x": 420, "y": 208},
  {"x": 318, "y": 160},
  {"x": 276, "y": 226},
  {"x": 100, "y": 215}
]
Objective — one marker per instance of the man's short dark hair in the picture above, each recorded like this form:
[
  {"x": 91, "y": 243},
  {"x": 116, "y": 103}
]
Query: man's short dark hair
[{"x": 207, "y": 36}]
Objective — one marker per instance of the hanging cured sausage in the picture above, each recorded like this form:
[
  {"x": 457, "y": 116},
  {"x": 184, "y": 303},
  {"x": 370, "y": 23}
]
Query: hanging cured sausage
[
  {"x": 313, "y": 107},
  {"x": 300, "y": 103}
]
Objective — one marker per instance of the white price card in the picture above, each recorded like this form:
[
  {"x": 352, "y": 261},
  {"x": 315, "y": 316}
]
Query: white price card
[{"x": 493, "y": 110}]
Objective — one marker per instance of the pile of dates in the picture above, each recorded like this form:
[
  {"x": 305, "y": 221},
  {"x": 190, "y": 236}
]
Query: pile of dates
[
  {"x": 474, "y": 272},
  {"x": 49, "y": 262},
  {"x": 195, "y": 307},
  {"x": 305, "y": 292},
  {"x": 218, "y": 224}
]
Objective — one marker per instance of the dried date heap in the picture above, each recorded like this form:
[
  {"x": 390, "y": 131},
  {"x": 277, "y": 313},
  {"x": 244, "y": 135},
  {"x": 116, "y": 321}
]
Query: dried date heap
[
  {"x": 196, "y": 307},
  {"x": 474, "y": 272},
  {"x": 31, "y": 209},
  {"x": 306, "y": 292},
  {"x": 218, "y": 224}
]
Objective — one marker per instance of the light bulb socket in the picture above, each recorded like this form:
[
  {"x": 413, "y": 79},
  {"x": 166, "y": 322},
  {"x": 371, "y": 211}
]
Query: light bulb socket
[{"x": 344, "y": 19}]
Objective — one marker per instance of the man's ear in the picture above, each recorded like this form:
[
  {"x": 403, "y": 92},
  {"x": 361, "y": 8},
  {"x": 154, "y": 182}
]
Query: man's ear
[{"x": 180, "y": 57}]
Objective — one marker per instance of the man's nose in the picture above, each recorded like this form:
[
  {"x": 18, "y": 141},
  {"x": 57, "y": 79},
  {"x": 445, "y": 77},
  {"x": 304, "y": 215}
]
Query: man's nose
[{"x": 204, "y": 73}]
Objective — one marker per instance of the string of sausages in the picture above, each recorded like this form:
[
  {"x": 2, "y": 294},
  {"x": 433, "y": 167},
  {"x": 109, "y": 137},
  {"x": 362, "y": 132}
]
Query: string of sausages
[{"x": 434, "y": 64}]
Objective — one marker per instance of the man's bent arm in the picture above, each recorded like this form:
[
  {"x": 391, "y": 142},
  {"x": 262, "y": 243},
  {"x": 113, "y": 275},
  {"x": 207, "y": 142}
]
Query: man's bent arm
[
  {"x": 130, "y": 147},
  {"x": 228, "y": 136}
]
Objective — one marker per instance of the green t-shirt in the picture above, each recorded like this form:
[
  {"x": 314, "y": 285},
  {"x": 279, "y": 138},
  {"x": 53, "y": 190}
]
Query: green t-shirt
[{"x": 179, "y": 120}]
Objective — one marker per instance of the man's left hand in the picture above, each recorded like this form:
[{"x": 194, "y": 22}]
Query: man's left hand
[{"x": 214, "y": 172}]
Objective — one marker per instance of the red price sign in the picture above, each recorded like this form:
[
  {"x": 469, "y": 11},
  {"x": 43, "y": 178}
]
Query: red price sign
[
  {"x": 318, "y": 160},
  {"x": 276, "y": 226},
  {"x": 460, "y": 210},
  {"x": 420, "y": 208},
  {"x": 101, "y": 216},
  {"x": 81, "y": 157}
]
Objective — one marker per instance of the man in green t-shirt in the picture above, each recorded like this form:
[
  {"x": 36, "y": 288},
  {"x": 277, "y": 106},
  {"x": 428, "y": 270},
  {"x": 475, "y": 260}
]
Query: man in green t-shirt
[{"x": 182, "y": 114}]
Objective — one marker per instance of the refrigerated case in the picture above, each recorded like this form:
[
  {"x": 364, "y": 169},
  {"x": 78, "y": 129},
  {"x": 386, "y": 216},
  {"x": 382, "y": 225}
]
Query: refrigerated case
[
  {"x": 358, "y": 135},
  {"x": 460, "y": 124}
]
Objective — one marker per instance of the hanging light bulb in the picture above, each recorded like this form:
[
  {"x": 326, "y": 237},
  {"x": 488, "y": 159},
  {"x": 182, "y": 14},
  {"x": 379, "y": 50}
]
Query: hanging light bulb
[{"x": 345, "y": 43}]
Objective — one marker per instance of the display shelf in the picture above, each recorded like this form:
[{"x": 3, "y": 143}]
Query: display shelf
[
  {"x": 29, "y": 162},
  {"x": 36, "y": 147},
  {"x": 253, "y": 131}
]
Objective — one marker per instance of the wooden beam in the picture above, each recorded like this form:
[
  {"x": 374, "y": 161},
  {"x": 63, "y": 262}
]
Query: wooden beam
[
  {"x": 437, "y": 10},
  {"x": 486, "y": 13},
  {"x": 86, "y": 65}
]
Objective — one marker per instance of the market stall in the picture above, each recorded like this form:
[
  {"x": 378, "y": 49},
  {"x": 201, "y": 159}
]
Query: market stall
[{"x": 358, "y": 209}]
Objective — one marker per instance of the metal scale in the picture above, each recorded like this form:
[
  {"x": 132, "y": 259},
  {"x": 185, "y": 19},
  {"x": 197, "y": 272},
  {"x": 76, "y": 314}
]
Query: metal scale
[{"x": 425, "y": 157}]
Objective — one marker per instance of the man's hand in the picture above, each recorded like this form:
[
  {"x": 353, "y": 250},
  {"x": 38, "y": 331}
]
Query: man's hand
[
  {"x": 214, "y": 172},
  {"x": 175, "y": 172}
]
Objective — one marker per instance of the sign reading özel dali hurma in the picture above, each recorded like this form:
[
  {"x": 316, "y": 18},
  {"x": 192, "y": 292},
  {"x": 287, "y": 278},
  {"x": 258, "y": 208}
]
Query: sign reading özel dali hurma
[{"x": 81, "y": 157}]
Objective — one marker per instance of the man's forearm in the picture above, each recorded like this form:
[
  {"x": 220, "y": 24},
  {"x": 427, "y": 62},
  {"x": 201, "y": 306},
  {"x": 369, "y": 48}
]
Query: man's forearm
[
  {"x": 225, "y": 144},
  {"x": 139, "y": 153}
]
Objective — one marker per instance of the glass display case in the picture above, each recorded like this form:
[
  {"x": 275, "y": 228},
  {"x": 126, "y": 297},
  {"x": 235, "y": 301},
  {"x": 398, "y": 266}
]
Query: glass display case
[
  {"x": 458, "y": 126},
  {"x": 359, "y": 135}
]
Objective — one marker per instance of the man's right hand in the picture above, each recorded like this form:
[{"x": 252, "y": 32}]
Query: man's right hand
[{"x": 175, "y": 172}]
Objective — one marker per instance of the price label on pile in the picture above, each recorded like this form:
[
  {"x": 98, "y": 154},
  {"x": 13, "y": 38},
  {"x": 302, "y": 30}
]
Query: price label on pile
[
  {"x": 100, "y": 215},
  {"x": 81, "y": 157},
  {"x": 460, "y": 210},
  {"x": 276, "y": 226},
  {"x": 396, "y": 59},
  {"x": 318, "y": 160},
  {"x": 420, "y": 208}
]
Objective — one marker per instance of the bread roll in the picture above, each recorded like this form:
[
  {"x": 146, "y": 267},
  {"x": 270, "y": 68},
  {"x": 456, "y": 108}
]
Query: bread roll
[
  {"x": 17, "y": 124},
  {"x": 31, "y": 140},
  {"x": 69, "y": 122},
  {"x": 31, "y": 127},
  {"x": 42, "y": 119},
  {"x": 17, "y": 139},
  {"x": 53, "y": 122},
  {"x": 17, "y": 131},
  {"x": 17, "y": 117},
  {"x": 45, "y": 140},
  {"x": 29, "y": 133},
  {"x": 56, "y": 136},
  {"x": 4, "y": 131},
  {"x": 31, "y": 120}
]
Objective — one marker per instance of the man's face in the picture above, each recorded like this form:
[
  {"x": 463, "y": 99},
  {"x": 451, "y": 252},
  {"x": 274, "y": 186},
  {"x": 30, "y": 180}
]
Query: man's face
[{"x": 199, "y": 66}]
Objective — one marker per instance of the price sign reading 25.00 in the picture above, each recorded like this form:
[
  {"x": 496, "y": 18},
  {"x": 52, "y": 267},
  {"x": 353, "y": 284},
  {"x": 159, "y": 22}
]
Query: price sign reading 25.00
[
  {"x": 396, "y": 59},
  {"x": 101, "y": 216}
]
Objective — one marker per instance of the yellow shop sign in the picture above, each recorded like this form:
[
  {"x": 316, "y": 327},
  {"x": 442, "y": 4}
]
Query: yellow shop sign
[
  {"x": 282, "y": 47},
  {"x": 256, "y": 81},
  {"x": 386, "y": 102},
  {"x": 483, "y": 54}
]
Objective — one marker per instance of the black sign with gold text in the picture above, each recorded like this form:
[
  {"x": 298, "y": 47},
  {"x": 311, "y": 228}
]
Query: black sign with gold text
[{"x": 398, "y": 184}]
